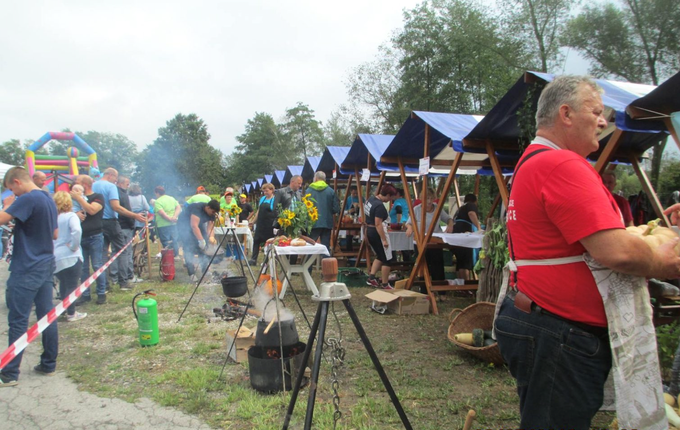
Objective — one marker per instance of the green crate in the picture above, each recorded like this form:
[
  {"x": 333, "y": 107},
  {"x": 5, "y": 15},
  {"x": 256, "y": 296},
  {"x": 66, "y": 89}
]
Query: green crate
[{"x": 352, "y": 277}]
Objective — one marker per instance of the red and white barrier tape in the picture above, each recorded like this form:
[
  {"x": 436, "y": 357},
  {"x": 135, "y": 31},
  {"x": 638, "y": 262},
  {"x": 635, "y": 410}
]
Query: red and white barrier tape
[{"x": 37, "y": 328}]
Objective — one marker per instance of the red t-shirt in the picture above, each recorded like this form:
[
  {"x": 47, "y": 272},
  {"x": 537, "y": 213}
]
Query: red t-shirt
[
  {"x": 556, "y": 200},
  {"x": 624, "y": 206}
]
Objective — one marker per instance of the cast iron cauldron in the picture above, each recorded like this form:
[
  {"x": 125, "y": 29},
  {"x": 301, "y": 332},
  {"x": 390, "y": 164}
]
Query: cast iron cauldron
[
  {"x": 289, "y": 334},
  {"x": 265, "y": 370},
  {"x": 235, "y": 286}
]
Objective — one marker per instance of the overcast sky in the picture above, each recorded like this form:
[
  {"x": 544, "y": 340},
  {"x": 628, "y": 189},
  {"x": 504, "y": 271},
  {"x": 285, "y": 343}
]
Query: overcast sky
[{"x": 129, "y": 66}]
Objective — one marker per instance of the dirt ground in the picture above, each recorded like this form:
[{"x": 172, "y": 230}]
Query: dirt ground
[{"x": 436, "y": 382}]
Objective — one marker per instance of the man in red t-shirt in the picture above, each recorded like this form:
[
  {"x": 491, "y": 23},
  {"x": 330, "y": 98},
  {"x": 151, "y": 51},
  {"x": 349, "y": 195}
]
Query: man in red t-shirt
[
  {"x": 552, "y": 328},
  {"x": 609, "y": 181}
]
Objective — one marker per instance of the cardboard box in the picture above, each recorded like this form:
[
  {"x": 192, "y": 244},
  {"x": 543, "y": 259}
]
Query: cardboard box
[
  {"x": 244, "y": 340},
  {"x": 402, "y": 302},
  {"x": 400, "y": 285}
]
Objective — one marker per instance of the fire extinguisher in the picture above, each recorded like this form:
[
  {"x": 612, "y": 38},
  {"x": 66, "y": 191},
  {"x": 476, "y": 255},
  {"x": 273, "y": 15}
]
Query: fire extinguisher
[
  {"x": 167, "y": 264},
  {"x": 146, "y": 314}
]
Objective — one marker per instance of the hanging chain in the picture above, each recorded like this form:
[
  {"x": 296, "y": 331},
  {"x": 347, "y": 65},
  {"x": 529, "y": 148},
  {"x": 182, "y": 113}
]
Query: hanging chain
[{"x": 337, "y": 358}]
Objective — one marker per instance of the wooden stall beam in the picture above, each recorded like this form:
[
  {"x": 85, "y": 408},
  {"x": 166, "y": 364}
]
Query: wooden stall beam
[
  {"x": 608, "y": 150},
  {"x": 497, "y": 172},
  {"x": 648, "y": 188}
]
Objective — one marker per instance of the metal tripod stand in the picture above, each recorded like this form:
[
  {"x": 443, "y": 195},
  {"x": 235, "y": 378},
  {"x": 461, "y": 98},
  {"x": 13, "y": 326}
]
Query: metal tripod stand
[{"x": 332, "y": 292}]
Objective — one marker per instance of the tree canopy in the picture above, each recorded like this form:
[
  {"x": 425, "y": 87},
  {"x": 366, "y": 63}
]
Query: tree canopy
[{"x": 181, "y": 158}]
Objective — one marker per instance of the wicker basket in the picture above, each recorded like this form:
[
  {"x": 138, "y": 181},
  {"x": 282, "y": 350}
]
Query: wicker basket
[{"x": 478, "y": 315}]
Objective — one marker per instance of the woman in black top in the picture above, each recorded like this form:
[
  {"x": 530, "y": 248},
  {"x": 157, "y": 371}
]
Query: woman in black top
[
  {"x": 375, "y": 213},
  {"x": 264, "y": 220},
  {"x": 467, "y": 220}
]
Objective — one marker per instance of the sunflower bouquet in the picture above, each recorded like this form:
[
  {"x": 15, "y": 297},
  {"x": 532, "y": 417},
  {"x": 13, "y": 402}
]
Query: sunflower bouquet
[
  {"x": 301, "y": 216},
  {"x": 233, "y": 211},
  {"x": 225, "y": 214}
]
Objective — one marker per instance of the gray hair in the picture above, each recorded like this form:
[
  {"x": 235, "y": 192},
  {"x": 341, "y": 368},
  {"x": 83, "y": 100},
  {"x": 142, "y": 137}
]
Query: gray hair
[
  {"x": 134, "y": 190},
  {"x": 563, "y": 90},
  {"x": 319, "y": 176}
]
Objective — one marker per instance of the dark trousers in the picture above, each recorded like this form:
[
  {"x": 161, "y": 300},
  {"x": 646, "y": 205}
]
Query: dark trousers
[
  {"x": 69, "y": 279},
  {"x": 25, "y": 289},
  {"x": 560, "y": 368},
  {"x": 113, "y": 235},
  {"x": 323, "y": 235}
]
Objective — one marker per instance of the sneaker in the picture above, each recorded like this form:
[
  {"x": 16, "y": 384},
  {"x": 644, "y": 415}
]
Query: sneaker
[
  {"x": 386, "y": 286},
  {"x": 125, "y": 287},
  {"x": 101, "y": 299},
  {"x": 252, "y": 262},
  {"x": 6, "y": 381},
  {"x": 194, "y": 278},
  {"x": 76, "y": 316},
  {"x": 136, "y": 280},
  {"x": 373, "y": 282},
  {"x": 43, "y": 370},
  {"x": 158, "y": 255}
]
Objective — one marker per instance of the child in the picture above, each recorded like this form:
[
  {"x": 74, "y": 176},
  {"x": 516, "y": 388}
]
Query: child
[{"x": 80, "y": 190}]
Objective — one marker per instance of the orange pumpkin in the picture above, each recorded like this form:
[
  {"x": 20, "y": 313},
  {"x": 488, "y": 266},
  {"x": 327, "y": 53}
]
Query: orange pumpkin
[{"x": 265, "y": 281}]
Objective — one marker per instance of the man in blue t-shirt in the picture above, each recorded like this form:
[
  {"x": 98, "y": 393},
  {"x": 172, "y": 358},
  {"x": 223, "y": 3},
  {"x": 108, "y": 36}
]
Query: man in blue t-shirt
[
  {"x": 30, "y": 280},
  {"x": 112, "y": 232}
]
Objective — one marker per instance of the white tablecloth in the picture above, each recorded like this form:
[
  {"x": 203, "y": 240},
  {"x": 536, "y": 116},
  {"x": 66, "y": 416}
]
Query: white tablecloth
[
  {"x": 240, "y": 230},
  {"x": 400, "y": 242},
  {"x": 466, "y": 240},
  {"x": 303, "y": 269},
  {"x": 308, "y": 249}
]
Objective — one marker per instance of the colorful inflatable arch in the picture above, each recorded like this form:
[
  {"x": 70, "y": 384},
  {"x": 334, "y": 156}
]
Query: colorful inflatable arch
[{"x": 59, "y": 163}]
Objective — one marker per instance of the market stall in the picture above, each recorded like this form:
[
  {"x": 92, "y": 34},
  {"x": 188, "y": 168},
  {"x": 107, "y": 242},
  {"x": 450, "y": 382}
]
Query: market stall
[{"x": 437, "y": 136}]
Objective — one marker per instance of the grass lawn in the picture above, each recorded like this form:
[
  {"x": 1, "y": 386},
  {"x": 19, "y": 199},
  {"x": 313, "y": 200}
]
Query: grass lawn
[{"x": 436, "y": 382}]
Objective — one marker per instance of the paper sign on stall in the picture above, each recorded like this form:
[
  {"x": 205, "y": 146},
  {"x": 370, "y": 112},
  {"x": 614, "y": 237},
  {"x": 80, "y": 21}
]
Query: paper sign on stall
[
  {"x": 424, "y": 167},
  {"x": 365, "y": 175},
  {"x": 335, "y": 175}
]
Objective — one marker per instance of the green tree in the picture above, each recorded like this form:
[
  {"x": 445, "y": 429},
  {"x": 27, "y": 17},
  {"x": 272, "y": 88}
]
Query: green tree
[
  {"x": 181, "y": 158},
  {"x": 303, "y": 131},
  {"x": 454, "y": 59},
  {"x": 373, "y": 90},
  {"x": 638, "y": 41},
  {"x": 336, "y": 132},
  {"x": 262, "y": 149},
  {"x": 12, "y": 152},
  {"x": 535, "y": 26},
  {"x": 113, "y": 150}
]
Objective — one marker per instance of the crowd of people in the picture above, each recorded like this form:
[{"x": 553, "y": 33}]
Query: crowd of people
[{"x": 552, "y": 323}]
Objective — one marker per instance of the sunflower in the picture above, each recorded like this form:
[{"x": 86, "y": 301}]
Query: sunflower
[
  {"x": 309, "y": 204},
  {"x": 291, "y": 215}
]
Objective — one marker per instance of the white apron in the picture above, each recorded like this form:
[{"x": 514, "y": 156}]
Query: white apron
[{"x": 635, "y": 366}]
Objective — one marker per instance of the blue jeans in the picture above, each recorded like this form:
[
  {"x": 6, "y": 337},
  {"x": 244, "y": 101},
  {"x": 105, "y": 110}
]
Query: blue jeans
[
  {"x": 168, "y": 236},
  {"x": 93, "y": 247},
  {"x": 25, "y": 289},
  {"x": 560, "y": 368}
]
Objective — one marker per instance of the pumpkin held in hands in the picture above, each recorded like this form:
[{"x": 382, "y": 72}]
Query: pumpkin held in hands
[{"x": 653, "y": 234}]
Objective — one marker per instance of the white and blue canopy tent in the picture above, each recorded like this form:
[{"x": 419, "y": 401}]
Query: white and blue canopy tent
[
  {"x": 437, "y": 136},
  {"x": 290, "y": 172},
  {"x": 362, "y": 154},
  {"x": 277, "y": 178},
  {"x": 624, "y": 140},
  {"x": 268, "y": 179},
  {"x": 310, "y": 168}
]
